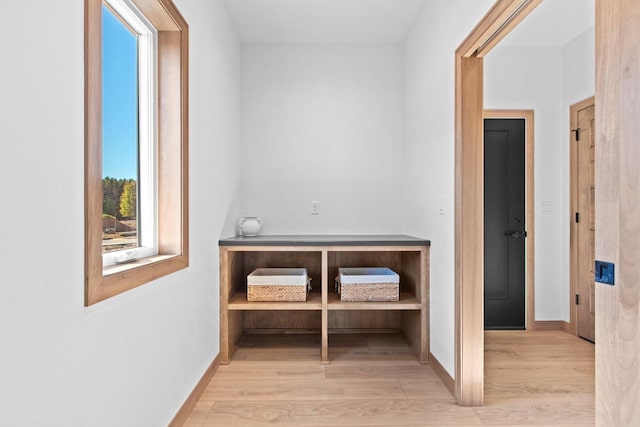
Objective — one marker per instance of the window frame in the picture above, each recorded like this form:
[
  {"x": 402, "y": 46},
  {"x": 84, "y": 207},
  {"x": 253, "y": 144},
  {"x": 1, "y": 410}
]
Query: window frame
[
  {"x": 147, "y": 93},
  {"x": 172, "y": 154}
]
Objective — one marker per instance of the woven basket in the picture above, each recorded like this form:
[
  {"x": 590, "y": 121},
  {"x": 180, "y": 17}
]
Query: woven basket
[
  {"x": 278, "y": 285},
  {"x": 365, "y": 292},
  {"x": 276, "y": 293}
]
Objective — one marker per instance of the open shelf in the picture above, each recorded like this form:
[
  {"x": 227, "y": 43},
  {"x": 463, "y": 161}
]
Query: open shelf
[
  {"x": 239, "y": 302},
  {"x": 323, "y": 311},
  {"x": 407, "y": 301}
]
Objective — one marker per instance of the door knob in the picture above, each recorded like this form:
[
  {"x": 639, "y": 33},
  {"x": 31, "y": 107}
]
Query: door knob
[{"x": 516, "y": 234}]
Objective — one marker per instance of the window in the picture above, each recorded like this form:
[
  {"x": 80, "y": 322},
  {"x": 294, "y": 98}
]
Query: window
[
  {"x": 136, "y": 227},
  {"x": 129, "y": 82}
]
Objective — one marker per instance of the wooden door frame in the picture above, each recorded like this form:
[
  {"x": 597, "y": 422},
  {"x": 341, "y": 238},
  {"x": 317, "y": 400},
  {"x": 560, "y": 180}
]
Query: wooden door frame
[
  {"x": 573, "y": 195},
  {"x": 617, "y": 201},
  {"x": 469, "y": 194},
  {"x": 529, "y": 141}
]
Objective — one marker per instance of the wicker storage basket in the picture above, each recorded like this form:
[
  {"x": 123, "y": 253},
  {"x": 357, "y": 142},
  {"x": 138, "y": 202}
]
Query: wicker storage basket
[
  {"x": 368, "y": 284},
  {"x": 278, "y": 284}
]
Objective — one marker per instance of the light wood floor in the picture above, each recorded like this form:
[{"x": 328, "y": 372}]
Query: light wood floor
[{"x": 532, "y": 378}]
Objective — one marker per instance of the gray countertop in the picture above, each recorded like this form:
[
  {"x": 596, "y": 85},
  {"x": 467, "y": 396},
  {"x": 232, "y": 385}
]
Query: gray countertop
[{"x": 325, "y": 240}]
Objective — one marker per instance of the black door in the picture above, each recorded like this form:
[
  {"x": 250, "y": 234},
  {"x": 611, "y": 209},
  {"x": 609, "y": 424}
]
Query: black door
[{"x": 504, "y": 224}]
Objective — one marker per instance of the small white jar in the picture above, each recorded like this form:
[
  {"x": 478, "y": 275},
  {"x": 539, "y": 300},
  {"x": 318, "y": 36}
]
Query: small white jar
[{"x": 250, "y": 226}]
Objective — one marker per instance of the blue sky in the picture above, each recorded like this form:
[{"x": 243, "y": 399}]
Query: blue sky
[{"x": 119, "y": 99}]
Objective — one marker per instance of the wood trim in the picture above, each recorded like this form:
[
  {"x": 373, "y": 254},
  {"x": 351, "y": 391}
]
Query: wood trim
[
  {"x": 108, "y": 286},
  {"x": 503, "y": 17},
  {"x": 93, "y": 143},
  {"x": 185, "y": 410},
  {"x": 528, "y": 115},
  {"x": 324, "y": 344},
  {"x": 225, "y": 280},
  {"x": 173, "y": 201},
  {"x": 551, "y": 325},
  {"x": 469, "y": 289},
  {"x": 509, "y": 25},
  {"x": 617, "y": 212},
  {"x": 442, "y": 373},
  {"x": 573, "y": 196},
  {"x": 382, "y": 248},
  {"x": 425, "y": 297},
  {"x": 162, "y": 14},
  {"x": 469, "y": 235}
]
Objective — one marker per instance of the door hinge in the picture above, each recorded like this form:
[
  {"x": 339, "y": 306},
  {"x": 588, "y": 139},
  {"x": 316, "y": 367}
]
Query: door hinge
[
  {"x": 577, "y": 299},
  {"x": 577, "y": 217},
  {"x": 577, "y": 131}
]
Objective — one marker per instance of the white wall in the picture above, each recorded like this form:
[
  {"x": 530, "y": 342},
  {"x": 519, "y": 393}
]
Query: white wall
[
  {"x": 531, "y": 78},
  {"x": 323, "y": 123},
  {"x": 429, "y": 151},
  {"x": 131, "y": 360}
]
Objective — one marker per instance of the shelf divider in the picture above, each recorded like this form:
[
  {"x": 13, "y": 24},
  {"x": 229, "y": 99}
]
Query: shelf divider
[{"x": 324, "y": 350}]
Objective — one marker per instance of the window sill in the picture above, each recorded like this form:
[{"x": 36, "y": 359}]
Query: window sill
[
  {"x": 120, "y": 278},
  {"x": 140, "y": 262}
]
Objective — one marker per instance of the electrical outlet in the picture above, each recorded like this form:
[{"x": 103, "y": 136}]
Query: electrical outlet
[{"x": 315, "y": 207}]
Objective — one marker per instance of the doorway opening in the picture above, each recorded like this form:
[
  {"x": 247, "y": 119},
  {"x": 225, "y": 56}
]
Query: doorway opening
[
  {"x": 504, "y": 16},
  {"x": 583, "y": 222},
  {"x": 509, "y": 291}
]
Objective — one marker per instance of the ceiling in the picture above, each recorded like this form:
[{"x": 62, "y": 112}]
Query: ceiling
[
  {"x": 323, "y": 21},
  {"x": 553, "y": 23}
]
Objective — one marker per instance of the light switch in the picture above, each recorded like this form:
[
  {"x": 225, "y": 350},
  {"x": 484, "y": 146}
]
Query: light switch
[
  {"x": 315, "y": 207},
  {"x": 546, "y": 207}
]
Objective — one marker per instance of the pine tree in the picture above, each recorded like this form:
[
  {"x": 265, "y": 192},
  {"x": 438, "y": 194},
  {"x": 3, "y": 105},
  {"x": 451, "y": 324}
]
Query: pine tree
[
  {"x": 111, "y": 193},
  {"x": 128, "y": 200}
]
